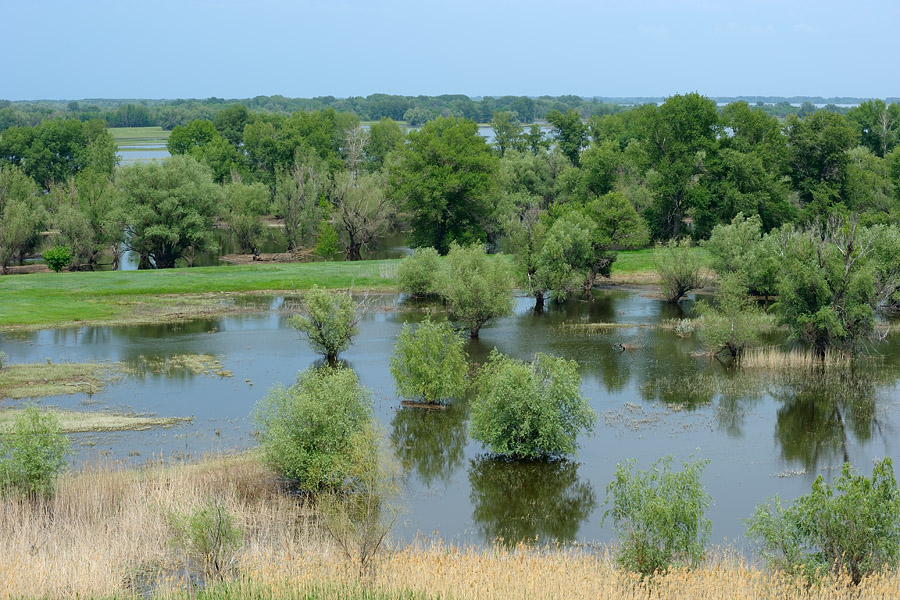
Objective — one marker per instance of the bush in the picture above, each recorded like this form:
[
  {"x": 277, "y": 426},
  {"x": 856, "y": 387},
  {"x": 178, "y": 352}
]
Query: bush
[
  {"x": 659, "y": 515},
  {"x": 430, "y": 362},
  {"x": 735, "y": 322},
  {"x": 327, "y": 241},
  {"x": 318, "y": 431},
  {"x": 678, "y": 266},
  {"x": 731, "y": 246},
  {"x": 32, "y": 454},
  {"x": 3, "y": 358},
  {"x": 530, "y": 410},
  {"x": 416, "y": 274},
  {"x": 329, "y": 321},
  {"x": 208, "y": 536},
  {"x": 477, "y": 288},
  {"x": 58, "y": 257},
  {"x": 850, "y": 527}
]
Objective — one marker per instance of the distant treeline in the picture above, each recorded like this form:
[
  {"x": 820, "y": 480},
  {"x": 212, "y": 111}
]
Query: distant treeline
[{"x": 414, "y": 110}]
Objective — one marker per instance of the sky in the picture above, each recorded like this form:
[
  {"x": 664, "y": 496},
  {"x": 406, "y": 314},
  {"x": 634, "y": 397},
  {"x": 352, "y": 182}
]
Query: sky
[{"x": 75, "y": 49}]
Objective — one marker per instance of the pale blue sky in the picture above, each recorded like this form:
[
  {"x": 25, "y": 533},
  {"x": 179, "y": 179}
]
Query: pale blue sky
[{"x": 235, "y": 49}]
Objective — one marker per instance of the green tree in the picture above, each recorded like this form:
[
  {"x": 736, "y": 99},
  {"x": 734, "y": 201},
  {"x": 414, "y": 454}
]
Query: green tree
[
  {"x": 169, "y": 208},
  {"x": 385, "y": 136},
  {"x": 569, "y": 133},
  {"x": 21, "y": 216},
  {"x": 530, "y": 410},
  {"x": 58, "y": 258},
  {"x": 476, "y": 287},
  {"x": 230, "y": 123},
  {"x": 443, "y": 179},
  {"x": 243, "y": 209},
  {"x": 32, "y": 453},
  {"x": 417, "y": 274},
  {"x": 660, "y": 516},
  {"x": 851, "y": 526},
  {"x": 319, "y": 431},
  {"x": 507, "y": 132},
  {"x": 298, "y": 193},
  {"x": 734, "y": 323},
  {"x": 679, "y": 268},
  {"x": 877, "y": 124},
  {"x": 430, "y": 362},
  {"x": 361, "y": 211},
  {"x": 208, "y": 535},
  {"x": 329, "y": 320},
  {"x": 826, "y": 284}
]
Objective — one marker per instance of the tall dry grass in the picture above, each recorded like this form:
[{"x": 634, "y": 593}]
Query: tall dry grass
[
  {"x": 106, "y": 532},
  {"x": 775, "y": 358}
]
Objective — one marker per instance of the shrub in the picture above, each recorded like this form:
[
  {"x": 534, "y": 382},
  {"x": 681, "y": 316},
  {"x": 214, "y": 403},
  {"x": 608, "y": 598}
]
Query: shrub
[
  {"x": 327, "y": 241},
  {"x": 3, "y": 358},
  {"x": 430, "y": 362},
  {"x": 660, "y": 516},
  {"x": 849, "y": 527},
  {"x": 58, "y": 257},
  {"x": 416, "y": 274},
  {"x": 732, "y": 246},
  {"x": 735, "y": 322},
  {"x": 530, "y": 410},
  {"x": 329, "y": 321},
  {"x": 476, "y": 287},
  {"x": 208, "y": 536},
  {"x": 32, "y": 453},
  {"x": 318, "y": 431},
  {"x": 678, "y": 266}
]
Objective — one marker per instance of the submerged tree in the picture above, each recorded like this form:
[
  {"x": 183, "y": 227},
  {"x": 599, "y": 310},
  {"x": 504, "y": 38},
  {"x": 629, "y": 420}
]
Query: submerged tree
[
  {"x": 476, "y": 287},
  {"x": 329, "y": 320}
]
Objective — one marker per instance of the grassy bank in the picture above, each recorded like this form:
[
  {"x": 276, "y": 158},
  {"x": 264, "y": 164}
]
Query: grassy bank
[
  {"x": 44, "y": 300},
  {"x": 107, "y": 533}
]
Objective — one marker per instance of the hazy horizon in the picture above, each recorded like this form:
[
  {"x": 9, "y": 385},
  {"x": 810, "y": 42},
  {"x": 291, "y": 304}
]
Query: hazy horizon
[{"x": 644, "y": 48}]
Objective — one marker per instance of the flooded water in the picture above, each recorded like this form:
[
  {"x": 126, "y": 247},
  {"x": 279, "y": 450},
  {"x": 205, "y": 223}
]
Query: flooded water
[{"x": 653, "y": 396}]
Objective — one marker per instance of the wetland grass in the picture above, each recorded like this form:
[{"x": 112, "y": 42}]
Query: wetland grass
[
  {"x": 105, "y": 534},
  {"x": 36, "y": 380}
]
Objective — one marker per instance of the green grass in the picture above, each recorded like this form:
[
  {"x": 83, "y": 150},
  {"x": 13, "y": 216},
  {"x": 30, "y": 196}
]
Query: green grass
[
  {"x": 139, "y": 136},
  {"x": 42, "y": 300}
]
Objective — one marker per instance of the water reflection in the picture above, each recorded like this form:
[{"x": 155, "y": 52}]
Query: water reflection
[
  {"x": 520, "y": 501},
  {"x": 430, "y": 442},
  {"x": 821, "y": 410}
]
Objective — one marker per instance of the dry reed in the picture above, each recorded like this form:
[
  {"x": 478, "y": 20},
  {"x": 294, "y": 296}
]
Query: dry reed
[
  {"x": 774, "y": 358},
  {"x": 106, "y": 532}
]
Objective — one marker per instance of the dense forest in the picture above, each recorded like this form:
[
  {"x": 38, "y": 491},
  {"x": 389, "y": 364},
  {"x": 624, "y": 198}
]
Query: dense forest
[{"x": 618, "y": 179}]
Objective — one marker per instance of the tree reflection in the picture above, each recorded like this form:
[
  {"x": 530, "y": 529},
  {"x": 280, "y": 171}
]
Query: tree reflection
[
  {"x": 518, "y": 501},
  {"x": 430, "y": 442},
  {"x": 820, "y": 409}
]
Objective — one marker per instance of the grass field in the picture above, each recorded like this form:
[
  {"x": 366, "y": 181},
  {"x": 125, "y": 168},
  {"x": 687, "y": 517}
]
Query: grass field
[
  {"x": 42, "y": 300},
  {"x": 139, "y": 136}
]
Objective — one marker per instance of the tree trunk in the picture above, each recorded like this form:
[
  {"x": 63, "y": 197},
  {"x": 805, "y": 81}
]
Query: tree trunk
[{"x": 539, "y": 301}]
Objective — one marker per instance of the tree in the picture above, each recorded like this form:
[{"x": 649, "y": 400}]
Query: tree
[
  {"x": 385, "y": 136},
  {"x": 507, "y": 132},
  {"x": 678, "y": 267},
  {"x": 21, "y": 216},
  {"x": 734, "y": 323},
  {"x": 58, "y": 258},
  {"x": 443, "y": 179},
  {"x": 476, "y": 288},
  {"x": 361, "y": 211},
  {"x": 851, "y": 526},
  {"x": 329, "y": 320},
  {"x": 32, "y": 453},
  {"x": 169, "y": 208},
  {"x": 878, "y": 125},
  {"x": 570, "y": 133},
  {"x": 244, "y": 208},
  {"x": 417, "y": 274},
  {"x": 530, "y": 410},
  {"x": 230, "y": 123},
  {"x": 319, "y": 431},
  {"x": 430, "y": 362},
  {"x": 660, "y": 516},
  {"x": 298, "y": 192}
]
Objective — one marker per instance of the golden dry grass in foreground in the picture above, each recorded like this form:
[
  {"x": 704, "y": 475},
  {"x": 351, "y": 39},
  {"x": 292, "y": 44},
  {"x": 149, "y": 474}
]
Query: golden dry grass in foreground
[
  {"x": 774, "y": 358},
  {"x": 106, "y": 534}
]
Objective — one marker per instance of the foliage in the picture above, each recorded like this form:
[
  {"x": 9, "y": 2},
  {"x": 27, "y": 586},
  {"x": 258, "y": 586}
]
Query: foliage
[
  {"x": 361, "y": 212},
  {"x": 318, "y": 432},
  {"x": 329, "y": 321},
  {"x": 58, "y": 258},
  {"x": 243, "y": 210},
  {"x": 826, "y": 285},
  {"x": 731, "y": 246},
  {"x": 327, "y": 240},
  {"x": 660, "y": 516},
  {"x": 734, "y": 323},
  {"x": 32, "y": 454},
  {"x": 208, "y": 535},
  {"x": 475, "y": 287},
  {"x": 430, "y": 362},
  {"x": 851, "y": 526},
  {"x": 569, "y": 132},
  {"x": 21, "y": 216},
  {"x": 443, "y": 180},
  {"x": 168, "y": 208},
  {"x": 298, "y": 192},
  {"x": 530, "y": 410},
  {"x": 417, "y": 274},
  {"x": 679, "y": 269},
  {"x": 3, "y": 358}
]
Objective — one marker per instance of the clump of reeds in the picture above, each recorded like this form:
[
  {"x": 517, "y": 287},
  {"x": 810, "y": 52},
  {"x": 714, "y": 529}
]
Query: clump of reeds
[{"x": 774, "y": 358}]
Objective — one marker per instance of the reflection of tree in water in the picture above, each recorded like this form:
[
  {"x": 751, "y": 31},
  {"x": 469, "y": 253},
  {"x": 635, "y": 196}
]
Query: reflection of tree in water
[
  {"x": 738, "y": 393},
  {"x": 431, "y": 442},
  {"x": 516, "y": 501},
  {"x": 819, "y": 408}
]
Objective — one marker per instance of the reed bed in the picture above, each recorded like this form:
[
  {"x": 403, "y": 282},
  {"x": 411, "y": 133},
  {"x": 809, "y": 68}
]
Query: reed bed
[
  {"x": 774, "y": 358},
  {"x": 106, "y": 534}
]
